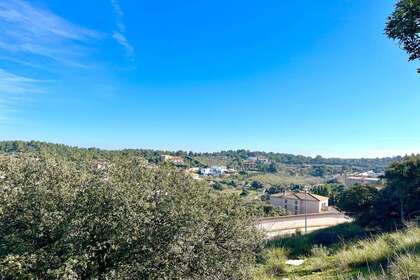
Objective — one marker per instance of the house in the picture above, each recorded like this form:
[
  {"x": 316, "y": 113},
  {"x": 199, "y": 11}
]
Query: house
[
  {"x": 364, "y": 178},
  {"x": 296, "y": 202},
  {"x": 213, "y": 171},
  {"x": 173, "y": 159},
  {"x": 252, "y": 162}
]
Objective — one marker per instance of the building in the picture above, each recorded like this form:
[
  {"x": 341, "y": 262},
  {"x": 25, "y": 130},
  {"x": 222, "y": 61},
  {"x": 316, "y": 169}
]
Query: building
[
  {"x": 213, "y": 171},
  {"x": 295, "y": 202},
  {"x": 352, "y": 180},
  {"x": 251, "y": 162},
  {"x": 364, "y": 178},
  {"x": 173, "y": 159}
]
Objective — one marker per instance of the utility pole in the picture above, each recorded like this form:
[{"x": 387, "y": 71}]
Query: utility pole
[{"x": 306, "y": 217}]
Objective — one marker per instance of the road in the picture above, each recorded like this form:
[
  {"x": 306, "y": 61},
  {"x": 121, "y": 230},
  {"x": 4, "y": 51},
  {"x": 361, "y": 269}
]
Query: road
[{"x": 290, "y": 224}]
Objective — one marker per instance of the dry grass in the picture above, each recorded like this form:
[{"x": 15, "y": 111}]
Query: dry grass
[{"x": 383, "y": 257}]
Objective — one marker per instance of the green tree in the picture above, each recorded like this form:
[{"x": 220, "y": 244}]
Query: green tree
[
  {"x": 257, "y": 185},
  {"x": 358, "y": 201},
  {"x": 62, "y": 220},
  {"x": 404, "y": 25},
  {"x": 403, "y": 183},
  {"x": 332, "y": 191}
]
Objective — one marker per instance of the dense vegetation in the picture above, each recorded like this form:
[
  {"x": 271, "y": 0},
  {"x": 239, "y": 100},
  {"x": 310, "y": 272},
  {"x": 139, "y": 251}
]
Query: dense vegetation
[
  {"x": 122, "y": 220},
  {"x": 316, "y": 166},
  {"x": 365, "y": 249},
  {"x": 392, "y": 206},
  {"x": 71, "y": 213}
]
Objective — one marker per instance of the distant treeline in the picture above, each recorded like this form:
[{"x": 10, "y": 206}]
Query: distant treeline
[{"x": 233, "y": 158}]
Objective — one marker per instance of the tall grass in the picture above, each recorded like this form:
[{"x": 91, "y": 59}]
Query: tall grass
[
  {"x": 379, "y": 250},
  {"x": 276, "y": 262},
  {"x": 381, "y": 257},
  {"x": 406, "y": 267}
]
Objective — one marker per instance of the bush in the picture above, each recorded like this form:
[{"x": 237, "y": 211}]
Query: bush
[
  {"x": 276, "y": 262},
  {"x": 59, "y": 220},
  {"x": 319, "y": 258},
  {"x": 257, "y": 185}
]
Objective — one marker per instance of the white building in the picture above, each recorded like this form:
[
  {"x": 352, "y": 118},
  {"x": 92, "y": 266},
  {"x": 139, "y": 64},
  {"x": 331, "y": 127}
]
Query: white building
[
  {"x": 365, "y": 178},
  {"x": 213, "y": 171}
]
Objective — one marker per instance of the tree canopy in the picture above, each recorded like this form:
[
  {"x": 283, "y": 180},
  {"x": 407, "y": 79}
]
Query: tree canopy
[
  {"x": 62, "y": 220},
  {"x": 404, "y": 26}
]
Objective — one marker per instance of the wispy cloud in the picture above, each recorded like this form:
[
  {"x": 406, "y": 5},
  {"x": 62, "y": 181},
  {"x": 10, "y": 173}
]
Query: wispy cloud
[
  {"x": 13, "y": 90},
  {"x": 119, "y": 33},
  {"x": 39, "y": 32},
  {"x": 38, "y": 39}
]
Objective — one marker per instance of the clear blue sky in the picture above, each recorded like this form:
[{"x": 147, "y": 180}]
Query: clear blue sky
[{"x": 308, "y": 77}]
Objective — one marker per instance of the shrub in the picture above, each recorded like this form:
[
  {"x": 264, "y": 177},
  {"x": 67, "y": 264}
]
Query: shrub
[
  {"x": 59, "y": 220},
  {"x": 275, "y": 262},
  {"x": 319, "y": 258}
]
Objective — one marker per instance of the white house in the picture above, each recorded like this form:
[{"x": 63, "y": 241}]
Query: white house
[
  {"x": 213, "y": 171},
  {"x": 295, "y": 202}
]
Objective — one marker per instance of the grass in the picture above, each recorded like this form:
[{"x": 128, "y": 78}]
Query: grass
[
  {"x": 276, "y": 179},
  {"x": 358, "y": 256}
]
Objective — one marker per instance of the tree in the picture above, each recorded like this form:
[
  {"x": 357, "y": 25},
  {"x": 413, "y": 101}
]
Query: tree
[
  {"x": 403, "y": 183},
  {"x": 62, "y": 220},
  {"x": 257, "y": 185},
  {"x": 404, "y": 25},
  {"x": 358, "y": 201},
  {"x": 332, "y": 190}
]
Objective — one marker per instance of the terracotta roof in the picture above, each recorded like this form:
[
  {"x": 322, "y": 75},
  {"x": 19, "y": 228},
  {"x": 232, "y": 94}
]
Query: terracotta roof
[{"x": 300, "y": 196}]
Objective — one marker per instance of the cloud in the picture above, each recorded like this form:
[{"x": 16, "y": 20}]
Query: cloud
[
  {"x": 38, "y": 32},
  {"x": 13, "y": 90},
  {"x": 120, "y": 38},
  {"x": 118, "y": 34}
]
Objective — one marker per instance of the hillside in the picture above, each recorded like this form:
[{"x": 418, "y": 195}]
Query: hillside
[{"x": 232, "y": 159}]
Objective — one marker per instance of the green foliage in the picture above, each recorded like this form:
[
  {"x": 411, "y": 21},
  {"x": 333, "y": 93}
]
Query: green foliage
[
  {"x": 244, "y": 192},
  {"x": 358, "y": 201},
  {"x": 62, "y": 220},
  {"x": 301, "y": 245},
  {"x": 404, "y": 25},
  {"x": 392, "y": 206},
  {"x": 332, "y": 191},
  {"x": 257, "y": 185},
  {"x": 232, "y": 159},
  {"x": 260, "y": 209},
  {"x": 276, "y": 262},
  {"x": 403, "y": 183}
]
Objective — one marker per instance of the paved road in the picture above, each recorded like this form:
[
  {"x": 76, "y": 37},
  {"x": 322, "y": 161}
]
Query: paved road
[{"x": 291, "y": 224}]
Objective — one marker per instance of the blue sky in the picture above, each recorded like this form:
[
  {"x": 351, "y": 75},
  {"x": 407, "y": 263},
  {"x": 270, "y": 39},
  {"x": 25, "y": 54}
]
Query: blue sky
[{"x": 307, "y": 77}]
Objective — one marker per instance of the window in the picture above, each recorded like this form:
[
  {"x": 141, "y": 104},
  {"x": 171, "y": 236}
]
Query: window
[
  {"x": 296, "y": 202},
  {"x": 296, "y": 208},
  {"x": 285, "y": 201}
]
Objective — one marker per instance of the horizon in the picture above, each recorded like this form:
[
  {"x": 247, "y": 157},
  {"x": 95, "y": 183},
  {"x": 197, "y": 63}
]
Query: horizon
[
  {"x": 309, "y": 78},
  {"x": 202, "y": 152}
]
